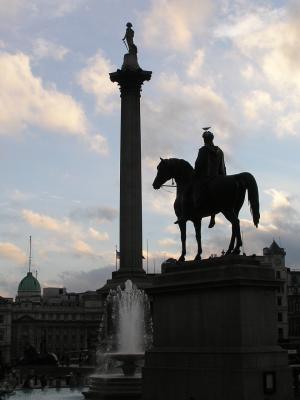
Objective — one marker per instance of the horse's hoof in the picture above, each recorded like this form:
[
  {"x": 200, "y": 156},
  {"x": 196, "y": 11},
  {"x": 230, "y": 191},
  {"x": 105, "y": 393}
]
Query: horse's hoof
[
  {"x": 228, "y": 252},
  {"x": 181, "y": 259},
  {"x": 236, "y": 252},
  {"x": 197, "y": 258}
]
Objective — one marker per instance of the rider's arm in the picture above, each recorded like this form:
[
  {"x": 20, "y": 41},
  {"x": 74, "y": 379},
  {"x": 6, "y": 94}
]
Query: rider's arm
[{"x": 222, "y": 166}]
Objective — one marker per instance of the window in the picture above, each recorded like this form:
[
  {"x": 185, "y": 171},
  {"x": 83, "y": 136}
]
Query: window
[
  {"x": 279, "y": 317},
  {"x": 279, "y": 301},
  {"x": 280, "y": 333},
  {"x": 1, "y": 318},
  {"x": 2, "y": 334},
  {"x": 278, "y": 275}
]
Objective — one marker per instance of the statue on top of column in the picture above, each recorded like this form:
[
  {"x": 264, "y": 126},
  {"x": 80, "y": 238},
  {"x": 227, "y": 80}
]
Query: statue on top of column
[
  {"x": 129, "y": 34},
  {"x": 130, "y": 59}
]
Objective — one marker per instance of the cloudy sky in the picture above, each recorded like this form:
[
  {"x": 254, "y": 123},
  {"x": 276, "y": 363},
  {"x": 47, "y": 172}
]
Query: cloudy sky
[{"x": 230, "y": 64}]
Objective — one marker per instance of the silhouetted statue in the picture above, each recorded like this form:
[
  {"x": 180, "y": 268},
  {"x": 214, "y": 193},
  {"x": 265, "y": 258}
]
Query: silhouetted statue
[
  {"x": 225, "y": 194},
  {"x": 209, "y": 164},
  {"x": 129, "y": 35},
  {"x": 130, "y": 59}
]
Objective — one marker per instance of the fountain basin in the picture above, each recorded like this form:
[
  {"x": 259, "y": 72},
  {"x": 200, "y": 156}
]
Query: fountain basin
[
  {"x": 128, "y": 361},
  {"x": 114, "y": 386}
]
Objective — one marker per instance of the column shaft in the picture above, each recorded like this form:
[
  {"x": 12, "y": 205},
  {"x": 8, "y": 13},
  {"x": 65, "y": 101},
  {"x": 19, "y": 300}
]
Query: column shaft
[
  {"x": 131, "y": 237},
  {"x": 130, "y": 182}
]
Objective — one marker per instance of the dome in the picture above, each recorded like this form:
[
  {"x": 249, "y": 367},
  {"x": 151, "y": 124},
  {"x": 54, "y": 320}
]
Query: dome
[{"x": 29, "y": 286}]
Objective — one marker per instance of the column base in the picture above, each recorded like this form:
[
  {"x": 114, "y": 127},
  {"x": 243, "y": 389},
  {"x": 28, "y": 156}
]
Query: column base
[{"x": 138, "y": 277}]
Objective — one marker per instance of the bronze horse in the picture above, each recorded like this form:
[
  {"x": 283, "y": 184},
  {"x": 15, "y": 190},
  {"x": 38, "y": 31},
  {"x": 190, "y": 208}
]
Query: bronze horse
[{"x": 225, "y": 194}]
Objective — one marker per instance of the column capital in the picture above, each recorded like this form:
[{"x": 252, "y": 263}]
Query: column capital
[{"x": 130, "y": 81}]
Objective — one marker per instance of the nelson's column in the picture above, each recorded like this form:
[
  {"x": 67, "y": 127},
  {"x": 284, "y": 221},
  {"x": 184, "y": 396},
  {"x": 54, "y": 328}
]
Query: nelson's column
[{"x": 130, "y": 79}]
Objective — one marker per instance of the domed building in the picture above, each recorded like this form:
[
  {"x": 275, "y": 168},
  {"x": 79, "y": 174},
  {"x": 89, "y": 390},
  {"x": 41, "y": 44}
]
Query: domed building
[
  {"x": 29, "y": 289},
  {"x": 50, "y": 320}
]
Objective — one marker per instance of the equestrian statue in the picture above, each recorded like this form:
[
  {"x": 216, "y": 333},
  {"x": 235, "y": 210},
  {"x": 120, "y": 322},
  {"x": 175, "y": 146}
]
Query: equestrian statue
[{"x": 206, "y": 190}]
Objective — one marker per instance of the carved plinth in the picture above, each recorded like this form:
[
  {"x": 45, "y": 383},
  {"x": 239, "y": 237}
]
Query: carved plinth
[{"x": 215, "y": 333}]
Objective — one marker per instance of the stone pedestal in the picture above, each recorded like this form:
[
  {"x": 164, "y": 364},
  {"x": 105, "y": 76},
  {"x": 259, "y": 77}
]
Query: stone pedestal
[{"x": 215, "y": 334}]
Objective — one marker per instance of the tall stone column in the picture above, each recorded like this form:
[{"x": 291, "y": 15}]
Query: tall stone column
[{"x": 130, "y": 79}]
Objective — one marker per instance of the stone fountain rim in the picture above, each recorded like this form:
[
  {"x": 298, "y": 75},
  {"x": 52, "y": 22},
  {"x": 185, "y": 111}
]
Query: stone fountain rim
[{"x": 120, "y": 354}]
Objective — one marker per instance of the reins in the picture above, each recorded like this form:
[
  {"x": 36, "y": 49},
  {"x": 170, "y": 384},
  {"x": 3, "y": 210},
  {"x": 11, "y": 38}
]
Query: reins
[{"x": 171, "y": 186}]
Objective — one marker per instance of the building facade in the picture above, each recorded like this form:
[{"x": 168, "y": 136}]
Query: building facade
[
  {"x": 294, "y": 308},
  {"x": 275, "y": 255},
  {"x": 5, "y": 330},
  {"x": 54, "y": 321}
]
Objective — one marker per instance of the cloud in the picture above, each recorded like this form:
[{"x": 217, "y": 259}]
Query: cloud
[
  {"x": 39, "y": 106},
  {"x": 279, "y": 199},
  {"x": 195, "y": 65},
  {"x": 281, "y": 220},
  {"x": 76, "y": 235},
  {"x": 172, "y": 229},
  {"x": 171, "y": 24},
  {"x": 57, "y": 8},
  {"x": 45, "y": 108},
  {"x": 83, "y": 248},
  {"x": 259, "y": 104},
  {"x": 18, "y": 196},
  {"x": 288, "y": 123},
  {"x": 264, "y": 41},
  {"x": 167, "y": 242},
  {"x": 85, "y": 280},
  {"x": 161, "y": 202},
  {"x": 98, "y": 235},
  {"x": 97, "y": 143},
  {"x": 47, "y": 9},
  {"x": 11, "y": 252},
  {"x": 48, "y": 223},
  {"x": 94, "y": 79},
  {"x": 43, "y": 48},
  {"x": 10, "y": 10},
  {"x": 182, "y": 109},
  {"x": 269, "y": 37},
  {"x": 99, "y": 214}
]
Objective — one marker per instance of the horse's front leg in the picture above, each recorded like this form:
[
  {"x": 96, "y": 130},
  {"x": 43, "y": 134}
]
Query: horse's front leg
[
  {"x": 197, "y": 225},
  {"x": 182, "y": 227}
]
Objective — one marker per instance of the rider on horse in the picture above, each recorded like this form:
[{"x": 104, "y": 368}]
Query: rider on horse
[{"x": 209, "y": 164}]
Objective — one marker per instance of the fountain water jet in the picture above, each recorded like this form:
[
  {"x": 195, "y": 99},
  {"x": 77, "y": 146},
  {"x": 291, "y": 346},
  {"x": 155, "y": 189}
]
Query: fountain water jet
[{"x": 124, "y": 335}]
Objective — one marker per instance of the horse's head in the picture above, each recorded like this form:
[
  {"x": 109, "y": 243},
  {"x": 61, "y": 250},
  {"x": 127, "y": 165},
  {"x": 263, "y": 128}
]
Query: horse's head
[{"x": 164, "y": 173}]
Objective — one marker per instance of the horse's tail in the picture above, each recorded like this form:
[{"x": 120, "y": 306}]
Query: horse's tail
[{"x": 253, "y": 197}]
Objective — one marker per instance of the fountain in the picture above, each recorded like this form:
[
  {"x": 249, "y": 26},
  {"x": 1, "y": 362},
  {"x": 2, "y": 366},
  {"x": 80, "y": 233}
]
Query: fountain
[{"x": 124, "y": 335}]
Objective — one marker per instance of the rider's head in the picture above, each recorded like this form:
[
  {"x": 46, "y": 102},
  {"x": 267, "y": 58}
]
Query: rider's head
[{"x": 208, "y": 137}]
